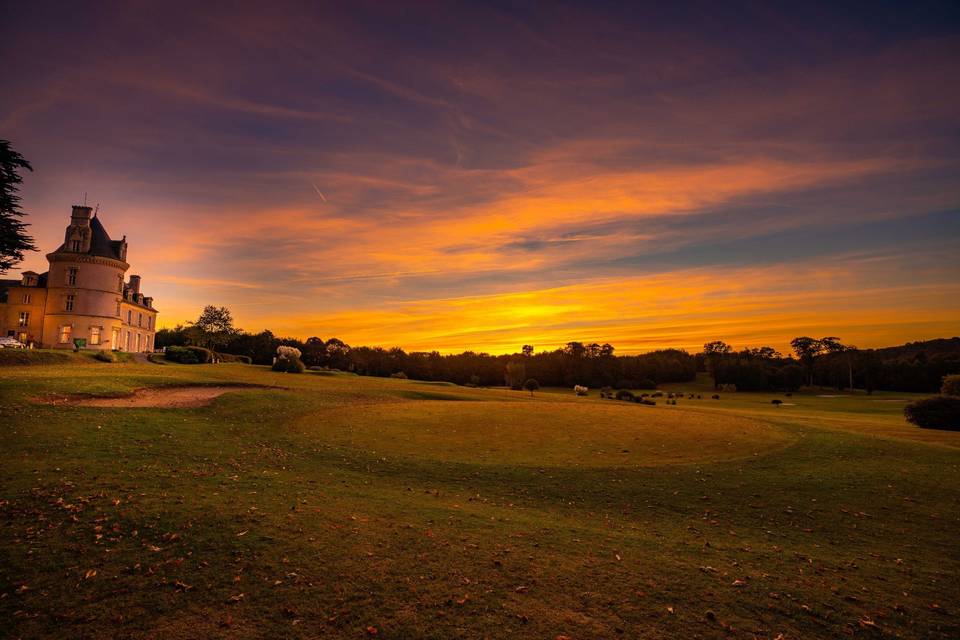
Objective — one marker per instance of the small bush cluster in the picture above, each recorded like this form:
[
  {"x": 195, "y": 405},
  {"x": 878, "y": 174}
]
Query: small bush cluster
[
  {"x": 399, "y": 375},
  {"x": 189, "y": 355},
  {"x": 288, "y": 360},
  {"x": 531, "y": 385},
  {"x": 776, "y": 402},
  {"x": 939, "y": 412},
  {"x": 105, "y": 356},
  {"x": 656, "y": 394},
  {"x": 623, "y": 394},
  {"x": 580, "y": 390},
  {"x": 715, "y": 396}
]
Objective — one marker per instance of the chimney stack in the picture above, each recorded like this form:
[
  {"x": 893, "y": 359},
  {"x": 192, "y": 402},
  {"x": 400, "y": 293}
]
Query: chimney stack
[
  {"x": 80, "y": 216},
  {"x": 134, "y": 286}
]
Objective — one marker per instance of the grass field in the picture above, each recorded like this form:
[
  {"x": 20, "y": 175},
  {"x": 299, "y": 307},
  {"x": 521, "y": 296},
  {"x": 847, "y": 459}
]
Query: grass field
[{"x": 341, "y": 506}]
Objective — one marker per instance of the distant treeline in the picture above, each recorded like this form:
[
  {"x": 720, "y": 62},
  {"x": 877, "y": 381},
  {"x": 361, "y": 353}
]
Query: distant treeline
[
  {"x": 588, "y": 364},
  {"x": 916, "y": 366},
  {"x": 822, "y": 362}
]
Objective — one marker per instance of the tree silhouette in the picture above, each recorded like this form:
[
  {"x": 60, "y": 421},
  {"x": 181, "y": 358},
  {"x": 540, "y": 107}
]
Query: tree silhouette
[
  {"x": 13, "y": 233},
  {"x": 215, "y": 326},
  {"x": 714, "y": 353}
]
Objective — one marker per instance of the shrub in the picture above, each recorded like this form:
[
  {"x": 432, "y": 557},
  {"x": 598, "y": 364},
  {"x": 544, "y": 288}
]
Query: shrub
[
  {"x": 580, "y": 390},
  {"x": 657, "y": 394},
  {"x": 649, "y": 403},
  {"x": 939, "y": 412},
  {"x": 288, "y": 360},
  {"x": 288, "y": 352},
  {"x": 531, "y": 385},
  {"x": 951, "y": 385},
  {"x": 189, "y": 355},
  {"x": 229, "y": 357},
  {"x": 399, "y": 375},
  {"x": 776, "y": 402},
  {"x": 623, "y": 394},
  {"x": 715, "y": 396},
  {"x": 606, "y": 392},
  {"x": 105, "y": 356}
]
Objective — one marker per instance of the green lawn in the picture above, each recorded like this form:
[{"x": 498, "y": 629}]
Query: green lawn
[{"x": 342, "y": 506}]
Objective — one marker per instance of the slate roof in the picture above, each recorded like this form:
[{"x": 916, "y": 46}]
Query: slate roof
[{"x": 100, "y": 242}]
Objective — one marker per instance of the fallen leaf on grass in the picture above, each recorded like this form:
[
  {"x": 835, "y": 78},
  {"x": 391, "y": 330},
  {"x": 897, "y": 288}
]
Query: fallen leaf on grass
[
  {"x": 89, "y": 574},
  {"x": 867, "y": 623},
  {"x": 236, "y": 598}
]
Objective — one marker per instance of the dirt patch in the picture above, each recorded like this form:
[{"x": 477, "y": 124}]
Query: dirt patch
[{"x": 158, "y": 397}]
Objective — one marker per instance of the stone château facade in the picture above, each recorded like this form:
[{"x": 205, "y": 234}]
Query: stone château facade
[{"x": 83, "y": 298}]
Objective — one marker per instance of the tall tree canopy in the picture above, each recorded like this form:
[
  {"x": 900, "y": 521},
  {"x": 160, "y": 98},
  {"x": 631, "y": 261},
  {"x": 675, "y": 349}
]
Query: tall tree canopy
[{"x": 13, "y": 232}]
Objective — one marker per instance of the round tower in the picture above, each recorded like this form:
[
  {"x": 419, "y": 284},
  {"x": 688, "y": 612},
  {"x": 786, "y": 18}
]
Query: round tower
[{"x": 85, "y": 286}]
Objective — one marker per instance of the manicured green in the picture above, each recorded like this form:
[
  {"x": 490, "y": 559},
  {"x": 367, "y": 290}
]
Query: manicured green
[{"x": 341, "y": 506}]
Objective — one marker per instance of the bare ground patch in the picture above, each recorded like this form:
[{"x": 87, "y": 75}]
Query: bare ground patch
[{"x": 156, "y": 397}]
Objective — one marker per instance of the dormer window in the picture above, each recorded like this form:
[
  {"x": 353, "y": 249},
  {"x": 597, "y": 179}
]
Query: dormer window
[
  {"x": 75, "y": 245},
  {"x": 72, "y": 276}
]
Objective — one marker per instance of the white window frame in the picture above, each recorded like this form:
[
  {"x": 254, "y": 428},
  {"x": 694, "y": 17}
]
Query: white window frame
[
  {"x": 26, "y": 298},
  {"x": 66, "y": 333},
  {"x": 96, "y": 334},
  {"x": 72, "y": 273},
  {"x": 24, "y": 319},
  {"x": 69, "y": 302}
]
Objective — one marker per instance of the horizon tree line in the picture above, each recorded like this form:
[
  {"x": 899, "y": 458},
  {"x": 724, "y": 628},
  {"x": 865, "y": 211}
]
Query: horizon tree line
[{"x": 826, "y": 361}]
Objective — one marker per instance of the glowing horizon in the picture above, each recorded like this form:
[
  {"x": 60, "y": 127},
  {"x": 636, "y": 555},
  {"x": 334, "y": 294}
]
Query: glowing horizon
[{"x": 489, "y": 178}]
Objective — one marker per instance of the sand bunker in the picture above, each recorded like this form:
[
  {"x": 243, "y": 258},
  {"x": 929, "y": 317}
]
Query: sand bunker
[{"x": 163, "y": 397}]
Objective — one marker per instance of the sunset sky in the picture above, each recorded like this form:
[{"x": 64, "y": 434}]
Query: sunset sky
[{"x": 479, "y": 176}]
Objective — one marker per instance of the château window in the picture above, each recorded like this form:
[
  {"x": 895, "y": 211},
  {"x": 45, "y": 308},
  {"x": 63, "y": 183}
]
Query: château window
[
  {"x": 72, "y": 276},
  {"x": 75, "y": 245},
  {"x": 69, "y": 303},
  {"x": 24, "y": 319},
  {"x": 3, "y": 296},
  {"x": 65, "y": 332},
  {"x": 139, "y": 319},
  {"x": 129, "y": 316},
  {"x": 26, "y": 298},
  {"x": 94, "y": 335},
  {"x": 120, "y": 284},
  {"x": 118, "y": 308}
]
